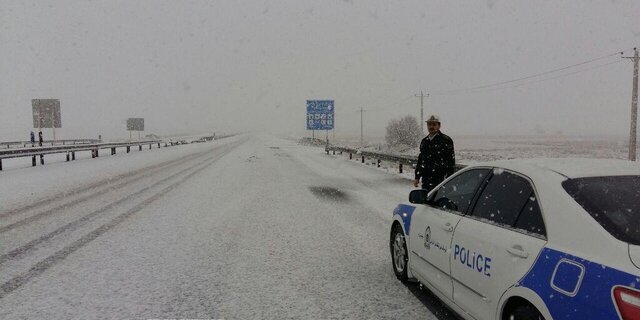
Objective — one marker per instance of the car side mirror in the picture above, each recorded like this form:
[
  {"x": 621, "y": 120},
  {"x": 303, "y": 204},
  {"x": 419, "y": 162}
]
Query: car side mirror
[{"x": 419, "y": 196}]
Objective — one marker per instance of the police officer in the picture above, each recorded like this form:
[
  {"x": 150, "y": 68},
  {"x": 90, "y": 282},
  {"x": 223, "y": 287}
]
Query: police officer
[{"x": 437, "y": 159}]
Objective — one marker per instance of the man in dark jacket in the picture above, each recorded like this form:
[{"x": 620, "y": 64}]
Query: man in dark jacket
[{"x": 437, "y": 159}]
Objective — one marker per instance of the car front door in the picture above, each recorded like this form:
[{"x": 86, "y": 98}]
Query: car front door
[
  {"x": 496, "y": 244},
  {"x": 432, "y": 228}
]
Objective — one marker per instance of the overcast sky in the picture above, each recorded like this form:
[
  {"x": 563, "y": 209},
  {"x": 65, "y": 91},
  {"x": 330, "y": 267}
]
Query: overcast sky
[{"x": 194, "y": 66}]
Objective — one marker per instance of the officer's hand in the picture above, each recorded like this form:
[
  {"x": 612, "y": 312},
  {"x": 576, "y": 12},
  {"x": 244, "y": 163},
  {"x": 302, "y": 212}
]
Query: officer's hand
[{"x": 416, "y": 182}]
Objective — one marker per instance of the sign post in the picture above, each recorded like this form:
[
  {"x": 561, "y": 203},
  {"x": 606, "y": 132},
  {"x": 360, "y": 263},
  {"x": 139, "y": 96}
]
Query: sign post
[
  {"x": 321, "y": 115},
  {"x": 135, "y": 124},
  {"x": 46, "y": 114}
]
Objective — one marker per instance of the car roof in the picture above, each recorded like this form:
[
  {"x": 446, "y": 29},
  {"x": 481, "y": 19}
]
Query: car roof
[{"x": 568, "y": 167}]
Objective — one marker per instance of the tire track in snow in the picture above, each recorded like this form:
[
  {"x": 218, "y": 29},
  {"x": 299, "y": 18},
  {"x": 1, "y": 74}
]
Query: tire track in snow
[
  {"x": 87, "y": 188},
  {"x": 22, "y": 250},
  {"x": 134, "y": 178},
  {"x": 40, "y": 267}
]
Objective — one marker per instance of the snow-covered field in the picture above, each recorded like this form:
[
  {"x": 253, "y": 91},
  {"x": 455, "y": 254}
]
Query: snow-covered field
[
  {"x": 485, "y": 149},
  {"x": 474, "y": 149},
  {"x": 241, "y": 228}
]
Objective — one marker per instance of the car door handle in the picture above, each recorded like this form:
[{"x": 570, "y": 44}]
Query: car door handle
[
  {"x": 447, "y": 227},
  {"x": 517, "y": 251}
]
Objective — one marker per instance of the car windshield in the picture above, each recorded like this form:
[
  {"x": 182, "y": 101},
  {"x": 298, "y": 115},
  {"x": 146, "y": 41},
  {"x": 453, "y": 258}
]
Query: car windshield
[{"x": 612, "y": 201}]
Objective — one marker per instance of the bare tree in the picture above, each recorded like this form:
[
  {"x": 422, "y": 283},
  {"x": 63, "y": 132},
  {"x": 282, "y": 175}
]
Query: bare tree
[{"x": 404, "y": 131}]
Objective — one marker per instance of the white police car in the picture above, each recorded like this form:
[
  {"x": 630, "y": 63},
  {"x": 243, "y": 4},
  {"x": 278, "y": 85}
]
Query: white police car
[{"x": 527, "y": 239}]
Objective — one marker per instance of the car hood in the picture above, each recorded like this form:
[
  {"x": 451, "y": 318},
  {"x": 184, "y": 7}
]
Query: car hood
[{"x": 634, "y": 253}]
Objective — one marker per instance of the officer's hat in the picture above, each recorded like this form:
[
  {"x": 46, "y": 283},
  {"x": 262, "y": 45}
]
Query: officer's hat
[{"x": 433, "y": 118}]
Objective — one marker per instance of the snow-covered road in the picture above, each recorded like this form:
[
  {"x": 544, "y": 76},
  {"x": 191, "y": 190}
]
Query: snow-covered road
[{"x": 242, "y": 228}]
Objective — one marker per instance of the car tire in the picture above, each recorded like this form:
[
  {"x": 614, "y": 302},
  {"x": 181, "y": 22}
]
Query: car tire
[
  {"x": 399, "y": 253},
  {"x": 524, "y": 312}
]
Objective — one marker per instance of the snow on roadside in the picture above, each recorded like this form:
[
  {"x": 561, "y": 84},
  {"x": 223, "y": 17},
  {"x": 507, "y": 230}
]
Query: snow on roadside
[
  {"x": 477, "y": 149},
  {"x": 21, "y": 184}
]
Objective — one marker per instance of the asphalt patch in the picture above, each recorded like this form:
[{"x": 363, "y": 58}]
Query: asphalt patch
[{"x": 329, "y": 193}]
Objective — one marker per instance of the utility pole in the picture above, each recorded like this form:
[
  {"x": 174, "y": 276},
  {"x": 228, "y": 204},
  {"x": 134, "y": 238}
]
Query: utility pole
[
  {"x": 361, "y": 128},
  {"x": 634, "y": 107},
  {"x": 421, "y": 96}
]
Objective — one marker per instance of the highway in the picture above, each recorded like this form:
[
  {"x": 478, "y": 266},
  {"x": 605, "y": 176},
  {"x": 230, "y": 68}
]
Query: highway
[{"x": 245, "y": 227}]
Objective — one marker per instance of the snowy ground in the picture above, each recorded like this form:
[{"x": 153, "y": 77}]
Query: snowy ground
[{"x": 244, "y": 227}]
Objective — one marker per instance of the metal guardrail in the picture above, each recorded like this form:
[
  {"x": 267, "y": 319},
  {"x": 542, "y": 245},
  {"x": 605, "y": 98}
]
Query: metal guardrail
[
  {"x": 401, "y": 160},
  {"x": 24, "y": 144},
  {"x": 184, "y": 140},
  {"x": 70, "y": 150}
]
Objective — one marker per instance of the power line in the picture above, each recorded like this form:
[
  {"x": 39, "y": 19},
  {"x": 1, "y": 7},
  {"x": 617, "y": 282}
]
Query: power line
[
  {"x": 572, "y": 73},
  {"x": 534, "y": 81},
  {"x": 445, "y": 92},
  {"x": 398, "y": 103},
  {"x": 386, "y": 106}
]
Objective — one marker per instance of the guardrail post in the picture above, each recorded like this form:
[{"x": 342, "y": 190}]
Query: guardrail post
[
  {"x": 67, "y": 156},
  {"x": 379, "y": 163},
  {"x": 350, "y": 155},
  {"x": 149, "y": 146},
  {"x": 113, "y": 151},
  {"x": 158, "y": 145},
  {"x": 400, "y": 168},
  {"x": 73, "y": 155},
  {"x": 128, "y": 149},
  {"x": 334, "y": 152},
  {"x": 140, "y": 147},
  {"x": 0, "y": 164},
  {"x": 33, "y": 161},
  {"x": 362, "y": 159}
]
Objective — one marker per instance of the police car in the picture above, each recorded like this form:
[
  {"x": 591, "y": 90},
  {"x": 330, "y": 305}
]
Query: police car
[{"x": 527, "y": 239}]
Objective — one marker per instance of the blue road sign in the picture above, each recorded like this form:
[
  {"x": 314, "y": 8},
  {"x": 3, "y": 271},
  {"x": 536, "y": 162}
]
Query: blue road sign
[{"x": 320, "y": 114}]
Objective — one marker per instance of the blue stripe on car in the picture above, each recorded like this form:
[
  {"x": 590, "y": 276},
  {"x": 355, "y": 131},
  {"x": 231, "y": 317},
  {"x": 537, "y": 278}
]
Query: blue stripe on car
[
  {"x": 405, "y": 212},
  {"x": 576, "y": 288}
]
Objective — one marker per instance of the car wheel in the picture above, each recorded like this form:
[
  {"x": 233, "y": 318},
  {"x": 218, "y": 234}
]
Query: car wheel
[
  {"x": 399, "y": 255},
  {"x": 524, "y": 312}
]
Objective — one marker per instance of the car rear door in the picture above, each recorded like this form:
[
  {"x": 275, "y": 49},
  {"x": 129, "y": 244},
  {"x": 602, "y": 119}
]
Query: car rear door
[
  {"x": 496, "y": 244},
  {"x": 432, "y": 228}
]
